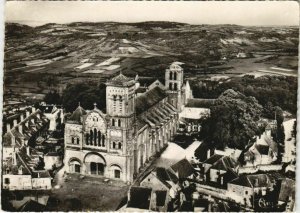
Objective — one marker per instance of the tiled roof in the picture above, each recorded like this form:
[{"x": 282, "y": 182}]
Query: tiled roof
[
  {"x": 287, "y": 189},
  {"x": 183, "y": 168},
  {"x": 213, "y": 159},
  {"x": 259, "y": 180},
  {"x": 253, "y": 181},
  {"x": 121, "y": 80},
  {"x": 139, "y": 197},
  {"x": 200, "y": 103},
  {"x": 76, "y": 115},
  {"x": 149, "y": 99},
  {"x": 164, "y": 175},
  {"x": 225, "y": 163},
  {"x": 241, "y": 181}
]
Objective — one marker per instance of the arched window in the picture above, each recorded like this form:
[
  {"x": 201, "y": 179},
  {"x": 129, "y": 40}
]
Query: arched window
[
  {"x": 99, "y": 138},
  {"x": 87, "y": 139},
  {"x": 170, "y": 86},
  {"x": 91, "y": 137},
  {"x": 114, "y": 145},
  {"x": 119, "y": 122},
  {"x": 113, "y": 122},
  {"x": 77, "y": 141},
  {"x": 73, "y": 140},
  {"x": 175, "y": 76},
  {"x": 120, "y": 145},
  {"x": 95, "y": 137},
  {"x": 103, "y": 140},
  {"x": 171, "y": 75},
  {"x": 175, "y": 86}
]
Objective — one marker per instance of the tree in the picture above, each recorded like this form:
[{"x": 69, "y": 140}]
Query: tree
[
  {"x": 233, "y": 121},
  {"x": 52, "y": 98},
  {"x": 86, "y": 94}
]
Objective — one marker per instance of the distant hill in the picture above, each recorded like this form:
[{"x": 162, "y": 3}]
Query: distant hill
[{"x": 15, "y": 30}]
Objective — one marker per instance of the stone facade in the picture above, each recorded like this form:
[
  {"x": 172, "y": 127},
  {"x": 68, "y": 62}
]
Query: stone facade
[{"x": 135, "y": 128}]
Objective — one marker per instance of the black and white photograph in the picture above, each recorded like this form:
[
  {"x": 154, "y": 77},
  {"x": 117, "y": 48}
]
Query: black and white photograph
[{"x": 149, "y": 106}]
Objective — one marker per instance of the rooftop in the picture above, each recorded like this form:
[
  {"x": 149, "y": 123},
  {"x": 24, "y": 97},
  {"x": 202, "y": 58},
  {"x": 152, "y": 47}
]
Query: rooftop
[{"x": 149, "y": 99}]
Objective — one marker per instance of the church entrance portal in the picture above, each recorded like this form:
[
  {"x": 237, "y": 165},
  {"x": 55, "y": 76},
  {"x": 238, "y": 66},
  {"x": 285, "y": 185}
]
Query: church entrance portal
[{"x": 97, "y": 168}]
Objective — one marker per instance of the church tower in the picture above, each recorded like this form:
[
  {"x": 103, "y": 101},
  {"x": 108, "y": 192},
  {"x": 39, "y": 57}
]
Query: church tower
[
  {"x": 174, "y": 83},
  {"x": 120, "y": 110}
]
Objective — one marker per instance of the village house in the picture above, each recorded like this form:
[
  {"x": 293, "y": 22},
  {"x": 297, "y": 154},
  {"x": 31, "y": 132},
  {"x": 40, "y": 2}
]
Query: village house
[
  {"x": 244, "y": 188},
  {"x": 219, "y": 169},
  {"x": 30, "y": 127},
  {"x": 23, "y": 171},
  {"x": 263, "y": 152},
  {"x": 146, "y": 199},
  {"x": 194, "y": 111},
  {"x": 53, "y": 114},
  {"x": 162, "y": 179}
]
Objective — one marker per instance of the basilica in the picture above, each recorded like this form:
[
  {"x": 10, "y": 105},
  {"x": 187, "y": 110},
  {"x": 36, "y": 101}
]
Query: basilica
[{"x": 136, "y": 126}]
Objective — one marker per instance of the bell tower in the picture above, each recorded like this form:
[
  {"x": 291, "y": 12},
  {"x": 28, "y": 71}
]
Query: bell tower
[
  {"x": 120, "y": 109},
  {"x": 174, "y": 83}
]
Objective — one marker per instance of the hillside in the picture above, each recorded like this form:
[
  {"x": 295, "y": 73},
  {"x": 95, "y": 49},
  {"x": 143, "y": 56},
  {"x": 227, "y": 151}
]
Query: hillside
[{"x": 95, "y": 51}]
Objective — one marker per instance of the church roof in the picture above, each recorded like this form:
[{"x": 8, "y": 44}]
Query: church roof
[
  {"x": 76, "y": 115},
  {"x": 149, "y": 99},
  {"x": 121, "y": 80}
]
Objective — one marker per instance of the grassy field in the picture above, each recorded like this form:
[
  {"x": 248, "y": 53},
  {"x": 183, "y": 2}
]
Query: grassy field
[{"x": 88, "y": 194}]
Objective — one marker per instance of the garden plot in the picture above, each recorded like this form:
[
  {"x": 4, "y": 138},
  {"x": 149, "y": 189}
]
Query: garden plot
[
  {"x": 108, "y": 62},
  {"x": 83, "y": 66}
]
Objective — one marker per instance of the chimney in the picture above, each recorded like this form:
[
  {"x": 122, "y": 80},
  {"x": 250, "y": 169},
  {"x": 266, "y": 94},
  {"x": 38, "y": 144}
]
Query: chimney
[
  {"x": 33, "y": 109},
  {"x": 27, "y": 113},
  {"x": 14, "y": 155},
  {"x": 7, "y": 127},
  {"x": 208, "y": 153},
  {"x": 20, "y": 127},
  {"x": 22, "y": 117},
  {"x": 15, "y": 122},
  {"x": 256, "y": 182},
  {"x": 28, "y": 150}
]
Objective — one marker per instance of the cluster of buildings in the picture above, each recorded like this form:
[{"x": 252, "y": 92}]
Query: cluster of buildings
[
  {"x": 121, "y": 144},
  {"x": 25, "y": 167}
]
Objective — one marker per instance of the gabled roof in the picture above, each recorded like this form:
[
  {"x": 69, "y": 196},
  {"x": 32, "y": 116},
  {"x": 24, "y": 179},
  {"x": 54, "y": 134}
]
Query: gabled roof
[
  {"x": 149, "y": 99},
  {"x": 139, "y": 197},
  {"x": 241, "y": 181},
  {"x": 164, "y": 175},
  {"x": 121, "y": 80},
  {"x": 76, "y": 115},
  {"x": 225, "y": 163},
  {"x": 253, "y": 181},
  {"x": 183, "y": 168},
  {"x": 32, "y": 206}
]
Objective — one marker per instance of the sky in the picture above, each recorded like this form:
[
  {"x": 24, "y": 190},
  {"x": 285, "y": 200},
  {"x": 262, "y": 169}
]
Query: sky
[{"x": 194, "y": 12}]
